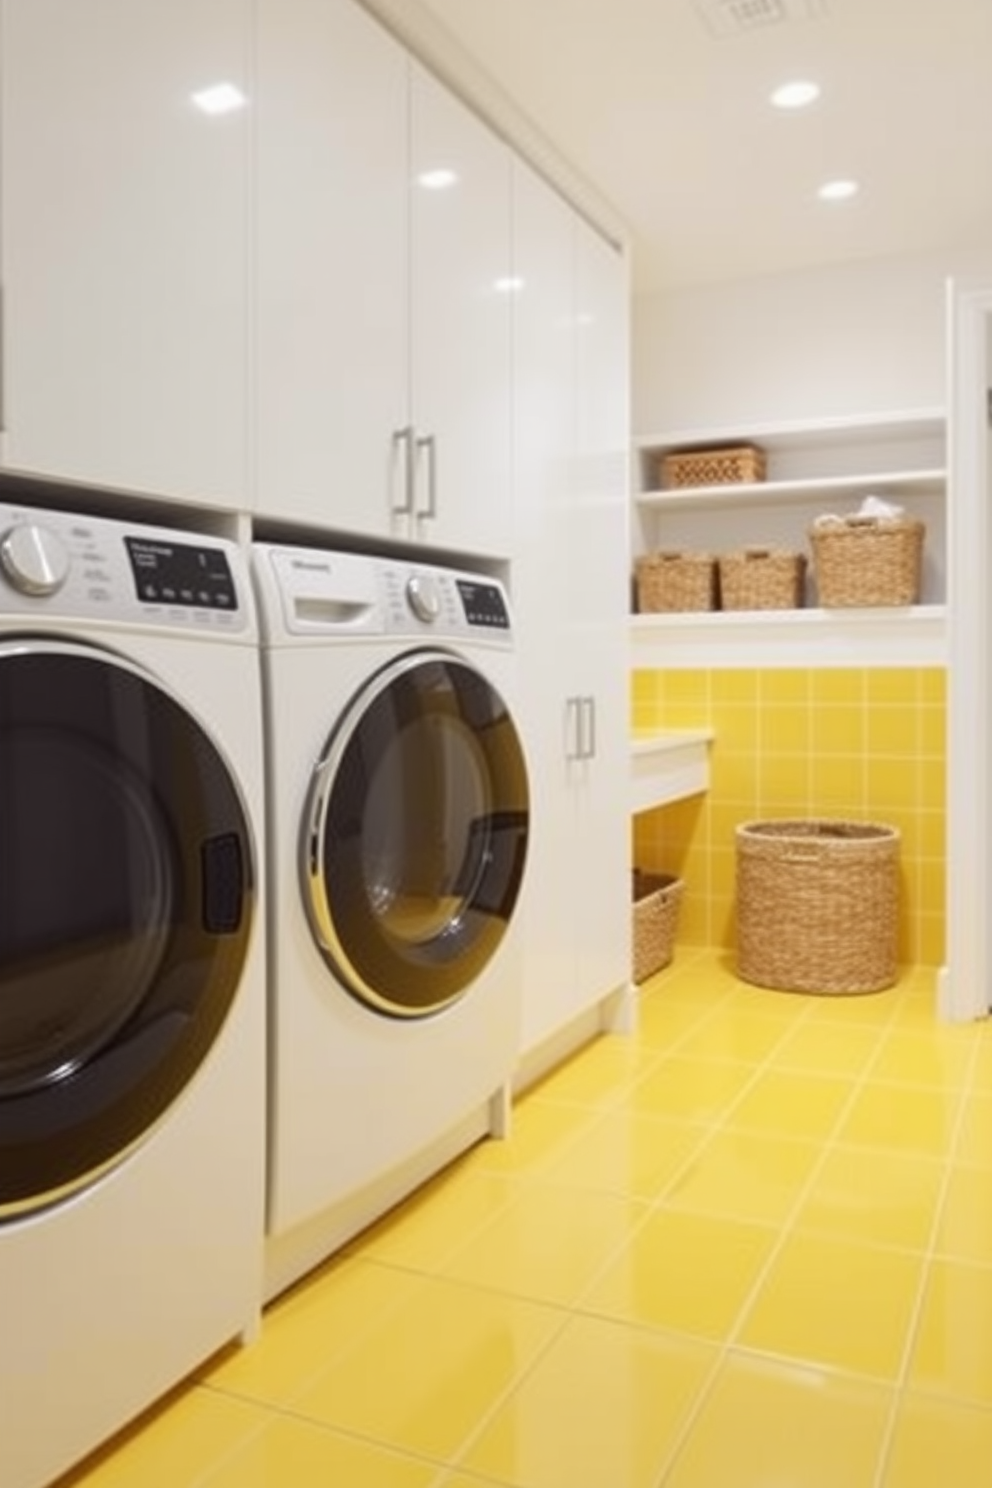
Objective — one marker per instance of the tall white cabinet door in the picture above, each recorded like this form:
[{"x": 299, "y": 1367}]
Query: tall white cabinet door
[
  {"x": 543, "y": 438},
  {"x": 332, "y": 267},
  {"x": 124, "y": 243},
  {"x": 599, "y": 605},
  {"x": 569, "y": 586},
  {"x": 461, "y": 318}
]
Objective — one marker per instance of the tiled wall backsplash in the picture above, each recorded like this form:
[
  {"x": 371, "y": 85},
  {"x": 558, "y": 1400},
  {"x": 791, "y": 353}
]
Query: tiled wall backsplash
[{"x": 861, "y": 744}]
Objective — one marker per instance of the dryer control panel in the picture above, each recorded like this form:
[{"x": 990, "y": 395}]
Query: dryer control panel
[
  {"x": 74, "y": 567},
  {"x": 331, "y": 595}
]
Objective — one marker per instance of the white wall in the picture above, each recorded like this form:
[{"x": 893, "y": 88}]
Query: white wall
[{"x": 860, "y": 337}]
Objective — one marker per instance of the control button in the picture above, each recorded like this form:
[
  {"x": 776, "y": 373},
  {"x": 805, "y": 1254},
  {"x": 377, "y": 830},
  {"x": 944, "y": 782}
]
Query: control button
[
  {"x": 424, "y": 597},
  {"x": 34, "y": 559}
]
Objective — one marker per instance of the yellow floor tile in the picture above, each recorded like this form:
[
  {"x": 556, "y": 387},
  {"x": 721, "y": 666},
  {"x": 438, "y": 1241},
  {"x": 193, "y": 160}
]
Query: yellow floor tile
[
  {"x": 982, "y": 1074},
  {"x": 828, "y": 1302},
  {"x": 745, "y": 1175},
  {"x": 539, "y": 1132},
  {"x": 696, "y": 1089},
  {"x": 433, "y": 1222},
  {"x": 765, "y": 1425},
  {"x": 935, "y": 1056},
  {"x": 307, "y": 1328},
  {"x": 628, "y": 1152},
  {"x": 828, "y": 1048},
  {"x": 881, "y": 1198},
  {"x": 869, "y": 1009},
  {"x": 750, "y": 1037},
  {"x": 662, "y": 1021},
  {"x": 683, "y": 1272},
  {"x": 602, "y": 1407},
  {"x": 172, "y": 1444},
  {"x": 599, "y": 1074},
  {"x": 901, "y": 1117},
  {"x": 974, "y": 1142},
  {"x": 424, "y": 1378},
  {"x": 938, "y": 1441},
  {"x": 548, "y": 1244},
  {"x": 304, "y": 1456},
  {"x": 785, "y": 1101},
  {"x": 952, "y": 1354},
  {"x": 965, "y": 1229}
]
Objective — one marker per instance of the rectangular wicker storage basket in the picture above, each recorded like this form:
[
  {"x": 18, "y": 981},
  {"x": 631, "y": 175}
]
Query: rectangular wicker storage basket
[
  {"x": 725, "y": 465},
  {"x": 657, "y": 897},
  {"x": 817, "y": 905},
  {"x": 675, "y": 581},
  {"x": 762, "y": 579},
  {"x": 868, "y": 561}
]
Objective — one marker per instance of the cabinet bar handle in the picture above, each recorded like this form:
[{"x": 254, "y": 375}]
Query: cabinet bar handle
[
  {"x": 588, "y": 709},
  {"x": 428, "y": 443},
  {"x": 403, "y": 442}
]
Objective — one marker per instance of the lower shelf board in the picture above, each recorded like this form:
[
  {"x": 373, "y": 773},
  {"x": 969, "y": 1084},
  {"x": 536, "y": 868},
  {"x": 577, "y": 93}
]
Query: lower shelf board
[{"x": 668, "y": 766}]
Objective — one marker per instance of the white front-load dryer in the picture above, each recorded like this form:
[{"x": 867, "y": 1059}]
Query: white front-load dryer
[
  {"x": 397, "y": 834},
  {"x": 132, "y": 992}
]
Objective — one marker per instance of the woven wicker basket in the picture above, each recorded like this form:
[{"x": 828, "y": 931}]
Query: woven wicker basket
[
  {"x": 762, "y": 579},
  {"x": 676, "y": 581},
  {"x": 817, "y": 905},
  {"x": 868, "y": 561},
  {"x": 657, "y": 897},
  {"x": 726, "y": 465}
]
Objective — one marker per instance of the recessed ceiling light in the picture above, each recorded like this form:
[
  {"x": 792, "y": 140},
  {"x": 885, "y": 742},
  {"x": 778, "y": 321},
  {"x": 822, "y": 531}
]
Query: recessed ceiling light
[
  {"x": 795, "y": 95},
  {"x": 437, "y": 180},
  {"x": 838, "y": 190},
  {"x": 219, "y": 98}
]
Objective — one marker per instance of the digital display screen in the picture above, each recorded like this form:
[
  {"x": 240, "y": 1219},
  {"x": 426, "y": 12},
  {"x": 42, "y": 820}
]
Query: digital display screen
[
  {"x": 483, "y": 604},
  {"x": 181, "y": 574}
]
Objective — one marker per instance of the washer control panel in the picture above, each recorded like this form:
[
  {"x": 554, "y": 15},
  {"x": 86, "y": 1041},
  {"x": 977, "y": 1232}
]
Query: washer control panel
[{"x": 72, "y": 566}]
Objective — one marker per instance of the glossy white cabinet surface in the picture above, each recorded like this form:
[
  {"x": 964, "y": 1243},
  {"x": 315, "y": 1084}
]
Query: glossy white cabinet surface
[
  {"x": 461, "y": 305},
  {"x": 569, "y": 588},
  {"x": 124, "y": 241},
  {"x": 332, "y": 212},
  {"x": 383, "y": 315}
]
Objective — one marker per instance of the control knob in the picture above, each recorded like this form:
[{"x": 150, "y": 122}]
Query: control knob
[
  {"x": 34, "y": 559},
  {"x": 424, "y": 597}
]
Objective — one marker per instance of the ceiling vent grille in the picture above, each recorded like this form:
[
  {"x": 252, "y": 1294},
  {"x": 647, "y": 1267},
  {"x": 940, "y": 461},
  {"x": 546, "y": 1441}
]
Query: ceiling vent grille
[{"x": 734, "y": 17}]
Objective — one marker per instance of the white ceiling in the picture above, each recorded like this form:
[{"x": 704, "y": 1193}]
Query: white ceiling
[{"x": 671, "y": 124}]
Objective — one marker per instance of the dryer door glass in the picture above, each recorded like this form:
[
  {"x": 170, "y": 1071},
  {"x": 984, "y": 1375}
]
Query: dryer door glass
[
  {"x": 416, "y": 834},
  {"x": 125, "y": 895}
]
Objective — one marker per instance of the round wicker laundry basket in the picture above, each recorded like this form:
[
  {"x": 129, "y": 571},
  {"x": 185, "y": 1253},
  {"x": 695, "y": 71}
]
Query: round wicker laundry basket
[{"x": 817, "y": 905}]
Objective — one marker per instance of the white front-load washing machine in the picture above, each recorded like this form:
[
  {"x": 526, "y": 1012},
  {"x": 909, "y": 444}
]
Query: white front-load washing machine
[
  {"x": 132, "y": 990},
  {"x": 397, "y": 830}
]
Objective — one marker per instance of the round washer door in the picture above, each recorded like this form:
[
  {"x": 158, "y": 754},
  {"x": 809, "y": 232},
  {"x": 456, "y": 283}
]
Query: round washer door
[
  {"x": 415, "y": 834},
  {"x": 126, "y": 900}
]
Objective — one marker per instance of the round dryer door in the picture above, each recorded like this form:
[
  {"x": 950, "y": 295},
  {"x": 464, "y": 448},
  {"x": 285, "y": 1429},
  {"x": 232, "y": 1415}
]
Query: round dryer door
[
  {"x": 125, "y": 906},
  {"x": 416, "y": 834}
]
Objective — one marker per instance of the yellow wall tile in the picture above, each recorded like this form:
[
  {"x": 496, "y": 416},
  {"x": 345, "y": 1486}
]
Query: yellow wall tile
[{"x": 861, "y": 744}]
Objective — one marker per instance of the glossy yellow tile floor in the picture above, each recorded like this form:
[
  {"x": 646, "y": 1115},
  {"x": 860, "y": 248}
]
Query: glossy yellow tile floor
[{"x": 749, "y": 1246}]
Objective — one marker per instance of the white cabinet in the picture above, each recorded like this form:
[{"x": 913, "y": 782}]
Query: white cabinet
[
  {"x": 570, "y": 595},
  {"x": 383, "y": 313},
  {"x": 821, "y": 467},
  {"x": 124, "y": 242}
]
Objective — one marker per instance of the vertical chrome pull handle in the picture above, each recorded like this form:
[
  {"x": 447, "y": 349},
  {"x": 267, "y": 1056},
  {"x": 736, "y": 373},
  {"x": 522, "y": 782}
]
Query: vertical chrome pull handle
[
  {"x": 403, "y": 447},
  {"x": 588, "y": 707},
  {"x": 428, "y": 444},
  {"x": 572, "y": 729}
]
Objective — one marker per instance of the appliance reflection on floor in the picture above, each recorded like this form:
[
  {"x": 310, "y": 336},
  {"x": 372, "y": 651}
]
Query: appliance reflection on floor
[{"x": 751, "y": 1244}]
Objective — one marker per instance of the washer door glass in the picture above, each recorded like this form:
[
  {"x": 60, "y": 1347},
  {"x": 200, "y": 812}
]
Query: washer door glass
[
  {"x": 416, "y": 834},
  {"x": 125, "y": 899}
]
